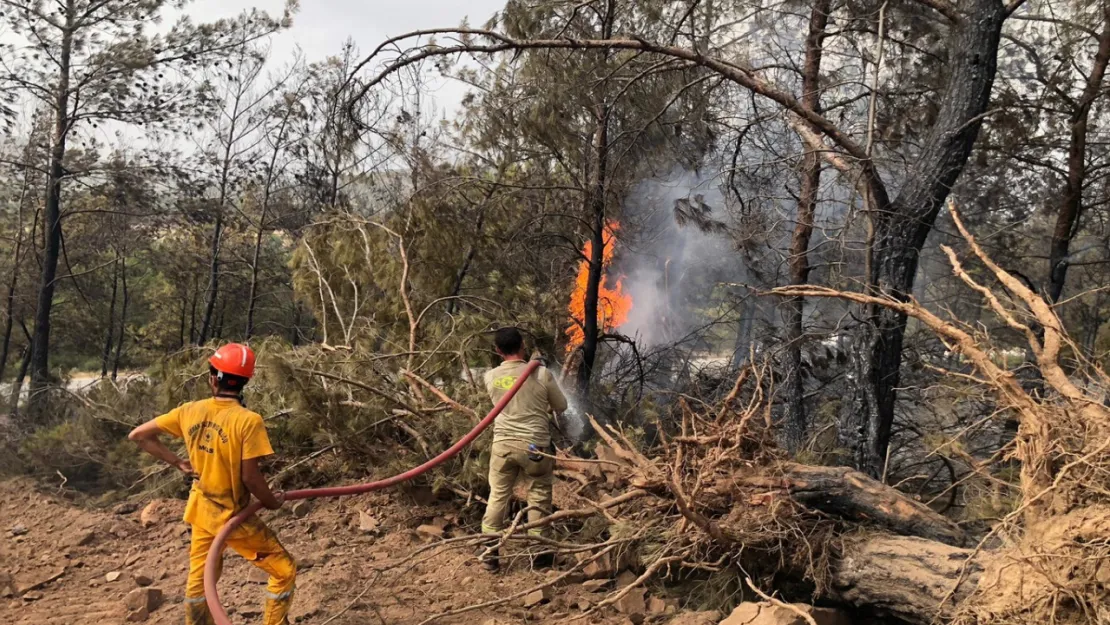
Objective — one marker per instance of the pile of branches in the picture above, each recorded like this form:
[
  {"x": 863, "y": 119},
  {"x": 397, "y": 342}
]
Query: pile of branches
[{"x": 715, "y": 499}]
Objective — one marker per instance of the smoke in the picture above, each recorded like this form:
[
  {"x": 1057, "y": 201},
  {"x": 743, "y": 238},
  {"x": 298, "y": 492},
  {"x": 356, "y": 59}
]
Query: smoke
[{"x": 674, "y": 255}]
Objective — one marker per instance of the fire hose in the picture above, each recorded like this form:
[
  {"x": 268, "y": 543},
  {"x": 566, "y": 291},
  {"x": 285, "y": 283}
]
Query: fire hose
[{"x": 215, "y": 553}]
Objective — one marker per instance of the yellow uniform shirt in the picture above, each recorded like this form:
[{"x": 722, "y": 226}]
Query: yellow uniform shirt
[
  {"x": 219, "y": 434},
  {"x": 528, "y": 415}
]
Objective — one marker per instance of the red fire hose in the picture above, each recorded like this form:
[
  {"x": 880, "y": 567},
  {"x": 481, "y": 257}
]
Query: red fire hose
[{"x": 215, "y": 553}]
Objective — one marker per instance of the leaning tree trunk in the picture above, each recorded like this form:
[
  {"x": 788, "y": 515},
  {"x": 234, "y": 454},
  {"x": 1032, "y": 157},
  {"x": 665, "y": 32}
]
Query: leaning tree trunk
[
  {"x": 903, "y": 224},
  {"x": 796, "y": 422},
  {"x": 1071, "y": 203},
  {"x": 52, "y": 216}
]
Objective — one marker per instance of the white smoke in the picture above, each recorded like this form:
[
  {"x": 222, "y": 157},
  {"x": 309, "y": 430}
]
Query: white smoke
[{"x": 668, "y": 267}]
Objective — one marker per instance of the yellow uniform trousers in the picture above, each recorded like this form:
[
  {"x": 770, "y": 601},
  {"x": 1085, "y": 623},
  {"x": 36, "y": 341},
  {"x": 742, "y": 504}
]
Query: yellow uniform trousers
[
  {"x": 258, "y": 544},
  {"x": 508, "y": 461}
]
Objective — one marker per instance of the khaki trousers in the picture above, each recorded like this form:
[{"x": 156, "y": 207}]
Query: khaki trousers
[{"x": 508, "y": 461}]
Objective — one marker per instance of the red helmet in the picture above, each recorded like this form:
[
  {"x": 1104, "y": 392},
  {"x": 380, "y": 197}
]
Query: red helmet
[{"x": 234, "y": 359}]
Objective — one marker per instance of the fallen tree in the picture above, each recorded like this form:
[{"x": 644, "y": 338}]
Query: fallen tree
[{"x": 719, "y": 497}]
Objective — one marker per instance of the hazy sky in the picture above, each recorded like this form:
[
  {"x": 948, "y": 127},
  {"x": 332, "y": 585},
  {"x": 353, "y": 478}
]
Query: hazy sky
[{"x": 321, "y": 26}]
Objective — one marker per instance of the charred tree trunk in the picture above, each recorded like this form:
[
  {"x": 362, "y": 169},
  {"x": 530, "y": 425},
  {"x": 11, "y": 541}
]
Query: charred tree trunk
[
  {"x": 903, "y": 224},
  {"x": 13, "y": 281},
  {"x": 212, "y": 293},
  {"x": 181, "y": 323},
  {"x": 122, "y": 319},
  {"x": 1071, "y": 204},
  {"x": 596, "y": 209},
  {"x": 52, "y": 214},
  {"x": 110, "y": 333},
  {"x": 193, "y": 312},
  {"x": 17, "y": 384},
  {"x": 252, "y": 297},
  {"x": 796, "y": 422},
  {"x": 271, "y": 175},
  {"x": 591, "y": 331}
]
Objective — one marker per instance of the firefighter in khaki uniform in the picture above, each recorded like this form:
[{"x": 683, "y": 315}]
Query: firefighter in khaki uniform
[
  {"x": 225, "y": 442},
  {"x": 521, "y": 438}
]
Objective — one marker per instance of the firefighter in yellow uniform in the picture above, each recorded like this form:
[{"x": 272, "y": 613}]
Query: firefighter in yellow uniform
[
  {"x": 225, "y": 442},
  {"x": 521, "y": 439}
]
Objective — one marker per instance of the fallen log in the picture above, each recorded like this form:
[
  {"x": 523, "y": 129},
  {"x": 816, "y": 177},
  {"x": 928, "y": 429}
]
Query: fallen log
[
  {"x": 914, "y": 579},
  {"x": 854, "y": 496}
]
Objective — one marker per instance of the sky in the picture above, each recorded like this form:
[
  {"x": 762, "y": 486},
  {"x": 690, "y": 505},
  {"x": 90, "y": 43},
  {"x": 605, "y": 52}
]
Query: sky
[{"x": 321, "y": 26}]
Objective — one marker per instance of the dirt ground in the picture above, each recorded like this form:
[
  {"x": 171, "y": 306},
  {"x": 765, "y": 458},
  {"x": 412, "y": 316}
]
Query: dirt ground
[{"x": 56, "y": 560}]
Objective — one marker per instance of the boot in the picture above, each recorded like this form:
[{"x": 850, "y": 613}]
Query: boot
[
  {"x": 196, "y": 613},
  {"x": 277, "y": 611},
  {"x": 543, "y": 560},
  {"x": 491, "y": 561}
]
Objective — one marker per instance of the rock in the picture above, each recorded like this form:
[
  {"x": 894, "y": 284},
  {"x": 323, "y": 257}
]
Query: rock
[
  {"x": 142, "y": 580},
  {"x": 18, "y": 530},
  {"x": 34, "y": 595},
  {"x": 625, "y": 579},
  {"x": 366, "y": 522},
  {"x": 764, "y": 613},
  {"x": 137, "y": 616},
  {"x": 538, "y": 597},
  {"x": 655, "y": 605},
  {"x": 632, "y": 603},
  {"x": 599, "y": 568},
  {"x": 85, "y": 539},
  {"x": 126, "y": 507},
  {"x": 584, "y": 605},
  {"x": 132, "y": 559},
  {"x": 21, "y": 589},
  {"x": 301, "y": 508},
  {"x": 7, "y": 585},
  {"x": 113, "y": 576},
  {"x": 440, "y": 522},
  {"x": 695, "y": 618},
  {"x": 430, "y": 531},
  {"x": 143, "y": 599},
  {"x": 595, "y": 585}
]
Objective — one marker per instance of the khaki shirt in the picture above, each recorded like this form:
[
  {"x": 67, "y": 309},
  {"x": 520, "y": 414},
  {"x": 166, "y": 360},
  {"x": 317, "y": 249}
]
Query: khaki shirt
[{"x": 528, "y": 415}]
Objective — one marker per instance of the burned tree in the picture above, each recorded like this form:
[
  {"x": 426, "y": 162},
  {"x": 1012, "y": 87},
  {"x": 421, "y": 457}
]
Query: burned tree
[{"x": 901, "y": 223}]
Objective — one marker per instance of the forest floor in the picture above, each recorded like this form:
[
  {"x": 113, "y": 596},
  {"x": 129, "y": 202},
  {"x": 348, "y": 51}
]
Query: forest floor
[{"x": 56, "y": 560}]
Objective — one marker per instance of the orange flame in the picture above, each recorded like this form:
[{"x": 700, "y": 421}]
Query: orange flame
[{"x": 613, "y": 303}]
